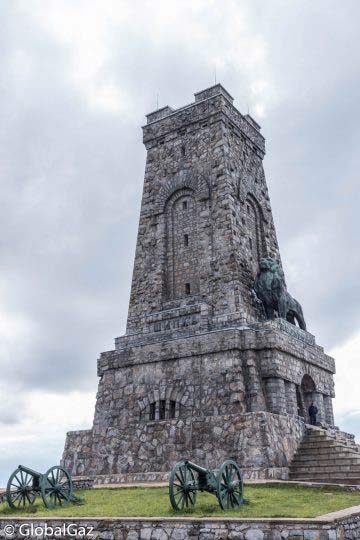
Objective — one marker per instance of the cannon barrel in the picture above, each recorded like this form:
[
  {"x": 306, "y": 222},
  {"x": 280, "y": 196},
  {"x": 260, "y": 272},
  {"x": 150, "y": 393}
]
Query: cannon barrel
[
  {"x": 196, "y": 468},
  {"x": 29, "y": 471}
]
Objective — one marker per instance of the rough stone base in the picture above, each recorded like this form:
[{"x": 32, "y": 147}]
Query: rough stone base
[{"x": 262, "y": 443}]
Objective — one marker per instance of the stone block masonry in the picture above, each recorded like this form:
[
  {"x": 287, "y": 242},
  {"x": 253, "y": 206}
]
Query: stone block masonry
[
  {"x": 343, "y": 525},
  {"x": 199, "y": 372}
]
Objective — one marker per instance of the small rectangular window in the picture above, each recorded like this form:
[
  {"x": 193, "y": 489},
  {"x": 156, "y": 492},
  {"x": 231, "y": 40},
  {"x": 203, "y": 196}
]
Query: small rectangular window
[
  {"x": 187, "y": 288},
  {"x": 172, "y": 409},
  {"x": 186, "y": 239},
  {"x": 162, "y": 409},
  {"x": 152, "y": 411},
  {"x": 184, "y": 205},
  {"x": 250, "y": 243}
]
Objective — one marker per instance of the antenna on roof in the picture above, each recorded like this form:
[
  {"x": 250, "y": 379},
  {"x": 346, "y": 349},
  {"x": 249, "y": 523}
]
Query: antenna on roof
[
  {"x": 215, "y": 75},
  {"x": 157, "y": 101}
]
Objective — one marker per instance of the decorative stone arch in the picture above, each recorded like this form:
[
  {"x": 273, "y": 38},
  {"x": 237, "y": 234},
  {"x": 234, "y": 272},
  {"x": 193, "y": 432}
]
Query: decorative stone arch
[
  {"x": 164, "y": 393},
  {"x": 308, "y": 384},
  {"x": 254, "y": 201},
  {"x": 255, "y": 217},
  {"x": 307, "y": 373},
  {"x": 308, "y": 394},
  {"x": 194, "y": 182},
  {"x": 181, "y": 243},
  {"x": 175, "y": 195}
]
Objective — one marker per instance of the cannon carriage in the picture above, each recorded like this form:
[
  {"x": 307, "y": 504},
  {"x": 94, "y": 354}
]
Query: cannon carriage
[
  {"x": 24, "y": 485},
  {"x": 187, "y": 478}
]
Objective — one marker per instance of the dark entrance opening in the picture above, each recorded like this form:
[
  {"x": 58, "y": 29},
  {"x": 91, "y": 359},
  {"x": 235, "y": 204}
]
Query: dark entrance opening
[{"x": 308, "y": 390}]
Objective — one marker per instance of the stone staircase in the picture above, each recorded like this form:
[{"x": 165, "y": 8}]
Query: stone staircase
[{"x": 326, "y": 456}]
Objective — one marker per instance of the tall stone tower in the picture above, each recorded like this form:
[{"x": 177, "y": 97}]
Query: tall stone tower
[
  {"x": 200, "y": 373},
  {"x": 205, "y": 219}
]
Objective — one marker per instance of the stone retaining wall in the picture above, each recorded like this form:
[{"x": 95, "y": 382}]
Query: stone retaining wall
[{"x": 347, "y": 528}]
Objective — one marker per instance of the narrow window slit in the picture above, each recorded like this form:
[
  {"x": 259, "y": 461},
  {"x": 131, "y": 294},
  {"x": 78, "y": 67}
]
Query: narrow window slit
[
  {"x": 162, "y": 409},
  {"x": 172, "y": 409},
  {"x": 152, "y": 411}
]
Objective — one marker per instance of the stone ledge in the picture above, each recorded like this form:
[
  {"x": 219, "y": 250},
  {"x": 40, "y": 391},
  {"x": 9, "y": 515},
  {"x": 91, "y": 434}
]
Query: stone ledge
[
  {"x": 266, "y": 336},
  {"x": 332, "y": 517},
  {"x": 149, "y": 478},
  {"x": 346, "y": 527},
  {"x": 345, "y": 487},
  {"x": 161, "y": 519}
]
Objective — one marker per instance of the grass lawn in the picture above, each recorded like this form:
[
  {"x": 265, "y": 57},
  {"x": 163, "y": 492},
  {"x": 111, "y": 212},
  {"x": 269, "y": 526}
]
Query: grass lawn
[{"x": 264, "y": 501}]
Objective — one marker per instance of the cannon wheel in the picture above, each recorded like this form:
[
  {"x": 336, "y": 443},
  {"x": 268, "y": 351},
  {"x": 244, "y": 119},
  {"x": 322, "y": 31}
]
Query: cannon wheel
[
  {"x": 19, "y": 490},
  {"x": 182, "y": 487},
  {"x": 56, "y": 487},
  {"x": 230, "y": 490}
]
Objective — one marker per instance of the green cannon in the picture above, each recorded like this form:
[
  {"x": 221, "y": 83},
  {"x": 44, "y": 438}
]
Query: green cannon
[
  {"x": 24, "y": 485},
  {"x": 187, "y": 478}
]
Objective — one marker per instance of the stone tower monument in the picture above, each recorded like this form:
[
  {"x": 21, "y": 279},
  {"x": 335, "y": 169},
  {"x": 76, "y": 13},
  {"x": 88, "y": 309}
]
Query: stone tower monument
[{"x": 200, "y": 372}]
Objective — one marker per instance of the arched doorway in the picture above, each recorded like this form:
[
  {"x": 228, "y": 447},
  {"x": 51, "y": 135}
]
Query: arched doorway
[{"x": 307, "y": 390}]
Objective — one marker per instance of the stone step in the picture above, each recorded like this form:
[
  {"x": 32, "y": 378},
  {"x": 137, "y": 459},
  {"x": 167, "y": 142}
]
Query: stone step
[
  {"x": 327, "y": 449},
  {"x": 326, "y": 469},
  {"x": 351, "y": 462},
  {"x": 326, "y": 456},
  {"x": 327, "y": 480},
  {"x": 332, "y": 440},
  {"x": 311, "y": 447},
  {"x": 322, "y": 444},
  {"x": 318, "y": 435},
  {"x": 315, "y": 476}
]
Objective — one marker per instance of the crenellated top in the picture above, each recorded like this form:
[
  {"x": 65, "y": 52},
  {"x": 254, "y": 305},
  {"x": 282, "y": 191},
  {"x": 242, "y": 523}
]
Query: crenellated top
[{"x": 208, "y": 103}]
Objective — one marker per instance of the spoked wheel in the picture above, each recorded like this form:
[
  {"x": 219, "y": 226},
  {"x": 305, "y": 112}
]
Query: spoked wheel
[
  {"x": 19, "y": 490},
  {"x": 230, "y": 490},
  {"x": 56, "y": 487},
  {"x": 182, "y": 487}
]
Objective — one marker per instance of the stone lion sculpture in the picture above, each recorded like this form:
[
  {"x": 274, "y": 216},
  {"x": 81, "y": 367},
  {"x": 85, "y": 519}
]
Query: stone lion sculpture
[{"x": 270, "y": 288}]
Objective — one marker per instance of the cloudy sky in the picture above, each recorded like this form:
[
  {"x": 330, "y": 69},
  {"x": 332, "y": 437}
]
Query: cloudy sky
[{"x": 77, "y": 78}]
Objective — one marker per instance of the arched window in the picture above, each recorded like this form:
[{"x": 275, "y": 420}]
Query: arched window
[
  {"x": 307, "y": 384},
  {"x": 182, "y": 279},
  {"x": 163, "y": 409},
  {"x": 254, "y": 231}
]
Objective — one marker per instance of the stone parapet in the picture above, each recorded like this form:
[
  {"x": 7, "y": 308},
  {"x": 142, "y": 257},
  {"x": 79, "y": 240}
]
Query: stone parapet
[
  {"x": 208, "y": 105},
  {"x": 343, "y": 525}
]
